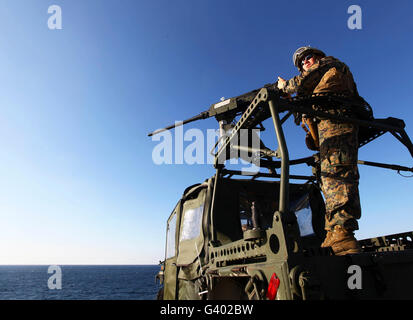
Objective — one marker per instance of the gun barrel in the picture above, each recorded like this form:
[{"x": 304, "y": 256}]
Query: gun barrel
[
  {"x": 224, "y": 110},
  {"x": 202, "y": 115},
  {"x": 384, "y": 165}
]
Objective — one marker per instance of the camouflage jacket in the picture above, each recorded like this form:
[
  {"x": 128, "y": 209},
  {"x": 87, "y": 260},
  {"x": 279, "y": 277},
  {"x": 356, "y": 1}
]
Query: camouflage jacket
[{"x": 326, "y": 75}]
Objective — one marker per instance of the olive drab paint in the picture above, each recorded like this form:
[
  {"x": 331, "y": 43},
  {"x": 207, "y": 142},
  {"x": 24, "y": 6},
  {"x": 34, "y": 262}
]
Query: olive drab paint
[{"x": 230, "y": 235}]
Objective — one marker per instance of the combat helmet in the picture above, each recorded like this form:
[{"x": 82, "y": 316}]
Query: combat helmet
[{"x": 301, "y": 52}]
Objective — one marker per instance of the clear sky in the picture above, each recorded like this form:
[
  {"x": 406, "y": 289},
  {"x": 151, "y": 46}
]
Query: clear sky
[{"x": 78, "y": 183}]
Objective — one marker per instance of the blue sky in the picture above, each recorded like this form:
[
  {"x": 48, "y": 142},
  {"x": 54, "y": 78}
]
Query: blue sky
[{"x": 79, "y": 185}]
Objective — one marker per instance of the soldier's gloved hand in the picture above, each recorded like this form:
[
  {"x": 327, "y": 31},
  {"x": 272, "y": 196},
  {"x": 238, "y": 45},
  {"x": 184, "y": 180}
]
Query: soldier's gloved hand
[
  {"x": 306, "y": 118},
  {"x": 282, "y": 83}
]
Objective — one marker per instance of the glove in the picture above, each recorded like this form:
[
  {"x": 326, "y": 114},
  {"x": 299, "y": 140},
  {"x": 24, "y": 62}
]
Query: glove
[{"x": 281, "y": 83}]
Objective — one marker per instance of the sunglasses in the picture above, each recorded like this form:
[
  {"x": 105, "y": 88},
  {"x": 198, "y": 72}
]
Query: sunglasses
[{"x": 307, "y": 58}]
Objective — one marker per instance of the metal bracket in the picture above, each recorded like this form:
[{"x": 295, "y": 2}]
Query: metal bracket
[{"x": 255, "y": 287}]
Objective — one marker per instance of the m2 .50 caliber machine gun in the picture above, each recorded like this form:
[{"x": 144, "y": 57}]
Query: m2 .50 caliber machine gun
[
  {"x": 257, "y": 239},
  {"x": 224, "y": 111}
]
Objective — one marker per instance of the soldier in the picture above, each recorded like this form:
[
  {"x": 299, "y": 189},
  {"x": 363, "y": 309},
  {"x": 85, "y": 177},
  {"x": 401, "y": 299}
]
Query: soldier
[{"x": 338, "y": 145}]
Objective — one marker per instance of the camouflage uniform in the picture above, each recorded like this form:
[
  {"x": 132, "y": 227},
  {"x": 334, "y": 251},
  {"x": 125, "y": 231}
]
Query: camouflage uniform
[{"x": 338, "y": 143}]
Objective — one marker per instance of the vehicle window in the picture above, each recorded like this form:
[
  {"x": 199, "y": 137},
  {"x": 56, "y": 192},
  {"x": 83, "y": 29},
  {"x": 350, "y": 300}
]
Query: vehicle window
[
  {"x": 304, "y": 216},
  {"x": 264, "y": 207},
  {"x": 170, "y": 237},
  {"x": 191, "y": 226}
]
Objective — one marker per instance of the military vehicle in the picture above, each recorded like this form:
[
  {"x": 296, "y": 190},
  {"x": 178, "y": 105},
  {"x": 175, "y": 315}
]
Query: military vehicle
[{"x": 258, "y": 236}]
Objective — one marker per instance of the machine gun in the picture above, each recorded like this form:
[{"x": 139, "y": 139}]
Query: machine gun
[{"x": 224, "y": 111}]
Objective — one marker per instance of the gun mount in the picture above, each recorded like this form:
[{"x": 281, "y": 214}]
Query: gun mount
[{"x": 258, "y": 105}]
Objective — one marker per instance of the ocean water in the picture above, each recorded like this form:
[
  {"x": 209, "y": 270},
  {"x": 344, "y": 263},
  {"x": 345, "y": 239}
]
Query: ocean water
[{"x": 77, "y": 282}]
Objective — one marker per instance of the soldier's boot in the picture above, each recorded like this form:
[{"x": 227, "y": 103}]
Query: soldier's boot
[
  {"x": 341, "y": 241},
  {"x": 327, "y": 241}
]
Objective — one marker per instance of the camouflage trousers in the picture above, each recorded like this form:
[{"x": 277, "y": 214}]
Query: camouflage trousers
[{"x": 339, "y": 173}]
